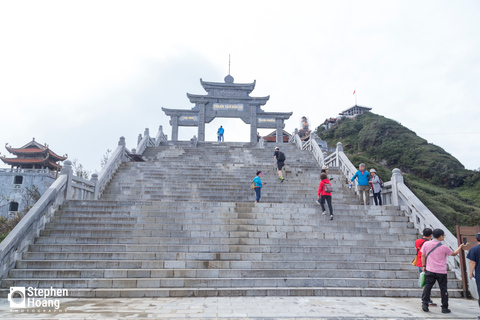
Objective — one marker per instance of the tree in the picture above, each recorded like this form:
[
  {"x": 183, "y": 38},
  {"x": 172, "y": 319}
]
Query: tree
[
  {"x": 105, "y": 158},
  {"x": 79, "y": 170}
]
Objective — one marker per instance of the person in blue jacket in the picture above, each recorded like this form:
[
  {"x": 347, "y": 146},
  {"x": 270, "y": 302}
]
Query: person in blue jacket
[
  {"x": 258, "y": 186},
  {"x": 220, "y": 133},
  {"x": 363, "y": 178}
]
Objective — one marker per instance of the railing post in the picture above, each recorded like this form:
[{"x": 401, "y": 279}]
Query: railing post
[
  {"x": 139, "y": 139},
  {"x": 396, "y": 178},
  {"x": 67, "y": 170},
  {"x": 94, "y": 179},
  {"x": 121, "y": 142},
  {"x": 337, "y": 152}
]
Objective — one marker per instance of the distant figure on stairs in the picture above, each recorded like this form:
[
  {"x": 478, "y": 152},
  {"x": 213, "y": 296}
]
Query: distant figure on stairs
[
  {"x": 279, "y": 158},
  {"x": 258, "y": 186},
  {"x": 363, "y": 186},
  {"x": 376, "y": 183},
  {"x": 220, "y": 134},
  {"x": 325, "y": 193}
]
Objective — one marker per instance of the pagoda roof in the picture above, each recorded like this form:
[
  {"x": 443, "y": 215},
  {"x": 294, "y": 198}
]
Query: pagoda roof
[
  {"x": 46, "y": 162},
  {"x": 200, "y": 97},
  {"x": 228, "y": 84},
  {"x": 35, "y": 148}
]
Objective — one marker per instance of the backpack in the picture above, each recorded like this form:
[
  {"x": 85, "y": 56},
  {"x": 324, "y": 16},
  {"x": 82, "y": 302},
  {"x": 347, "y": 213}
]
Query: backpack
[
  {"x": 381, "y": 182},
  {"x": 281, "y": 156},
  {"x": 327, "y": 187}
]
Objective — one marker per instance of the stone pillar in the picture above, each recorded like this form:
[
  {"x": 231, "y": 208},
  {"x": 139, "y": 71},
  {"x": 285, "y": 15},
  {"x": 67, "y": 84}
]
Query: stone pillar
[
  {"x": 67, "y": 170},
  {"x": 279, "y": 123},
  {"x": 94, "y": 179},
  {"x": 146, "y": 133},
  {"x": 121, "y": 142},
  {"x": 396, "y": 179},
  {"x": 339, "y": 149},
  {"x": 253, "y": 124},
  {"x": 201, "y": 122},
  {"x": 139, "y": 138},
  {"x": 174, "y": 123}
]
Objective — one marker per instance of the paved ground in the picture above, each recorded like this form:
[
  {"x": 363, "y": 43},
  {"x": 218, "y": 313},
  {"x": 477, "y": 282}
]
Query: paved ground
[{"x": 246, "y": 307}]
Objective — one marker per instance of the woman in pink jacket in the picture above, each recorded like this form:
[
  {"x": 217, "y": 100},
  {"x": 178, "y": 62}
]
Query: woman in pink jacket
[{"x": 325, "y": 193}]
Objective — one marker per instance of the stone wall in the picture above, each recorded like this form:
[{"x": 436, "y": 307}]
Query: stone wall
[{"x": 42, "y": 179}]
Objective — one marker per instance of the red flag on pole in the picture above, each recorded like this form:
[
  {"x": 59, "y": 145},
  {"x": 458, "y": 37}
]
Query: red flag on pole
[{"x": 353, "y": 91}]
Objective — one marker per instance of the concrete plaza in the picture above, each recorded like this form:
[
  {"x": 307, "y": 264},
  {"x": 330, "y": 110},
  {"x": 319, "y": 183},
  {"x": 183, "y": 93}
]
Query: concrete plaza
[{"x": 247, "y": 308}]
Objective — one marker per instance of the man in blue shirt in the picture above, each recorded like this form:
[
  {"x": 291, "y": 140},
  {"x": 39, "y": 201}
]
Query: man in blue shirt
[
  {"x": 474, "y": 257},
  {"x": 363, "y": 187},
  {"x": 220, "y": 134}
]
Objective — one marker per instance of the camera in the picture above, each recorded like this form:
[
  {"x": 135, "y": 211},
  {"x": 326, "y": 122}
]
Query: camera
[{"x": 17, "y": 297}]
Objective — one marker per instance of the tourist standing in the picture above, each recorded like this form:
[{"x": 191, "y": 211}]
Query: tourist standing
[
  {"x": 474, "y": 257},
  {"x": 220, "y": 134},
  {"x": 376, "y": 183},
  {"x": 325, "y": 194},
  {"x": 427, "y": 236},
  {"x": 363, "y": 188},
  {"x": 258, "y": 186},
  {"x": 279, "y": 158},
  {"x": 434, "y": 261}
]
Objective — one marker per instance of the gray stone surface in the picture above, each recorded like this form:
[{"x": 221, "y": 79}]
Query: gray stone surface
[{"x": 247, "y": 308}]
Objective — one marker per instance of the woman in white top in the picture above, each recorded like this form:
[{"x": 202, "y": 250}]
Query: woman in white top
[{"x": 376, "y": 187}]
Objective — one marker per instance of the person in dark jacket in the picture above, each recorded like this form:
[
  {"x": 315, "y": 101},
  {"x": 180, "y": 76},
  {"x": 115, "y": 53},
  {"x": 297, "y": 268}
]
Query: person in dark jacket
[{"x": 324, "y": 194}]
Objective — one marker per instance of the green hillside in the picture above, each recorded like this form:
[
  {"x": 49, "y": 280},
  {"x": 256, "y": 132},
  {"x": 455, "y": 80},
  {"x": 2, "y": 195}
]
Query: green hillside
[{"x": 437, "y": 178}]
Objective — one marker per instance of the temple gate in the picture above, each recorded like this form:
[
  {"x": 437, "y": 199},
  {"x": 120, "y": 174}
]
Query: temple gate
[{"x": 227, "y": 100}]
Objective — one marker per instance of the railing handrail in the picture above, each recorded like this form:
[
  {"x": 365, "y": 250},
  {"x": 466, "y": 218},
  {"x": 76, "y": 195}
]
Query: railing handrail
[
  {"x": 24, "y": 233},
  {"x": 101, "y": 180}
]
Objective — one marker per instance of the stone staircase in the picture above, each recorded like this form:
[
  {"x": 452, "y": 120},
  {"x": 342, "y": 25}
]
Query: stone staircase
[{"x": 183, "y": 223}]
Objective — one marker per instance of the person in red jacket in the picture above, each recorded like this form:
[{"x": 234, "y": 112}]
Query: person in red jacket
[
  {"x": 427, "y": 236},
  {"x": 325, "y": 193}
]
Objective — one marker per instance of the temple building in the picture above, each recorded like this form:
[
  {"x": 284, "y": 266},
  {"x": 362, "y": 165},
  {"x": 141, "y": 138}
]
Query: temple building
[
  {"x": 33, "y": 169},
  {"x": 354, "y": 111}
]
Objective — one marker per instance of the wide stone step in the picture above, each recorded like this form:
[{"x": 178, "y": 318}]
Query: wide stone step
[
  {"x": 379, "y": 249},
  {"x": 307, "y": 282},
  {"x": 327, "y": 225},
  {"x": 208, "y": 264},
  {"x": 239, "y": 291},
  {"x": 212, "y": 256},
  {"x": 364, "y": 234},
  {"x": 216, "y": 273},
  {"x": 334, "y": 240}
]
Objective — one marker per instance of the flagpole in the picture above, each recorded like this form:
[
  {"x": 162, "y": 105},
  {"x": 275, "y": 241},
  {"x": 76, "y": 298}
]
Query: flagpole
[{"x": 355, "y": 97}]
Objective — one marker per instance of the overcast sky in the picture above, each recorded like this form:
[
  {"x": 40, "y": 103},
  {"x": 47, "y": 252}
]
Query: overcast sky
[{"x": 78, "y": 75}]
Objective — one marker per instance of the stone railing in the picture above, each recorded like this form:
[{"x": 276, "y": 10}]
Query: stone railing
[
  {"x": 261, "y": 143},
  {"x": 24, "y": 233},
  {"x": 312, "y": 145},
  {"x": 145, "y": 142},
  {"x": 396, "y": 193},
  {"x": 101, "y": 180},
  {"x": 194, "y": 142},
  {"x": 161, "y": 137},
  {"x": 47, "y": 171}
]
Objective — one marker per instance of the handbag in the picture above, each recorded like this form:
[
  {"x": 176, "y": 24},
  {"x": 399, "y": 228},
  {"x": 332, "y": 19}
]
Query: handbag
[
  {"x": 422, "y": 280},
  {"x": 414, "y": 262}
]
